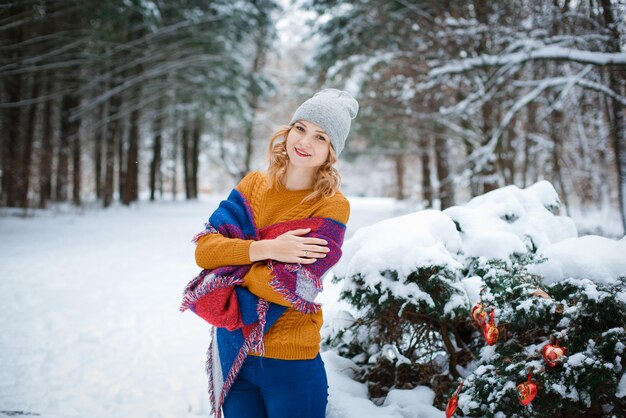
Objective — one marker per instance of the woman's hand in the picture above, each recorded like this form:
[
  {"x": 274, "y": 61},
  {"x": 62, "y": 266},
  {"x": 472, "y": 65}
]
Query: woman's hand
[{"x": 290, "y": 247}]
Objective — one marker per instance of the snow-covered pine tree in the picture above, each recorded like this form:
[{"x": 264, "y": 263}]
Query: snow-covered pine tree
[
  {"x": 412, "y": 281},
  {"x": 584, "y": 317},
  {"x": 409, "y": 306},
  {"x": 404, "y": 326}
]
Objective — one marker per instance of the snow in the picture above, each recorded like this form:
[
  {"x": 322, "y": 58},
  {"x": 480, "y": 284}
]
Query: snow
[
  {"x": 576, "y": 360},
  {"x": 621, "y": 387},
  {"x": 350, "y": 397},
  {"x": 402, "y": 244},
  {"x": 550, "y": 52},
  {"x": 472, "y": 287},
  {"x": 489, "y": 222},
  {"x": 592, "y": 257},
  {"x": 90, "y": 325},
  {"x": 414, "y": 403},
  {"x": 497, "y": 224},
  {"x": 482, "y": 245},
  {"x": 90, "y": 322}
]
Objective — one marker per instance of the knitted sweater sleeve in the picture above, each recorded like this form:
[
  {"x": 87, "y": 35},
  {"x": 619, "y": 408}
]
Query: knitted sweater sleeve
[{"x": 216, "y": 250}]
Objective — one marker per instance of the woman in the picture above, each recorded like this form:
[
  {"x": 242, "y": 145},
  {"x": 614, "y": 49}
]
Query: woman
[{"x": 284, "y": 375}]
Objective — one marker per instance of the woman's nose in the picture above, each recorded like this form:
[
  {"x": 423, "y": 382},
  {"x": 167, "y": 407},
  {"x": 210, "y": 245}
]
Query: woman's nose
[{"x": 306, "y": 140}]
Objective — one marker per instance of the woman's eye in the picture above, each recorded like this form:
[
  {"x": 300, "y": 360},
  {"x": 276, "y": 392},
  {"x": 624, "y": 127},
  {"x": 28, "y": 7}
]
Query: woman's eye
[
  {"x": 321, "y": 138},
  {"x": 300, "y": 128}
]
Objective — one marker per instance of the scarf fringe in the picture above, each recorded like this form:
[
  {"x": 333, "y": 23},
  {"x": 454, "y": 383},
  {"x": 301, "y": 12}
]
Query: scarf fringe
[
  {"x": 196, "y": 290},
  {"x": 254, "y": 342},
  {"x": 298, "y": 303},
  {"x": 216, "y": 412},
  {"x": 208, "y": 229}
]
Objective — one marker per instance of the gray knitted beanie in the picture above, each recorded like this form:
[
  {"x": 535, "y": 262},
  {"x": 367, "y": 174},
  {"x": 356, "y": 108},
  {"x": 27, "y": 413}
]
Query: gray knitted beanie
[{"x": 333, "y": 111}]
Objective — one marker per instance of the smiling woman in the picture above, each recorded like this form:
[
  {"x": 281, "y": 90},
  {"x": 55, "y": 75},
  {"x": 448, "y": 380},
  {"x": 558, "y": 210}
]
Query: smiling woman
[{"x": 264, "y": 252}]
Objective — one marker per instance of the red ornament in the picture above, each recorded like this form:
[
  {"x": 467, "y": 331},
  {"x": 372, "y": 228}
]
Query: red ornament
[
  {"x": 553, "y": 354},
  {"x": 527, "y": 391},
  {"x": 490, "y": 331},
  {"x": 479, "y": 314},
  {"x": 453, "y": 402}
]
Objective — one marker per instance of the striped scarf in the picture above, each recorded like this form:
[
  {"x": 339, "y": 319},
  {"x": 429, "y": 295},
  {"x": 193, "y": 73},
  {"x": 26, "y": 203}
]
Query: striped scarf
[{"x": 239, "y": 318}]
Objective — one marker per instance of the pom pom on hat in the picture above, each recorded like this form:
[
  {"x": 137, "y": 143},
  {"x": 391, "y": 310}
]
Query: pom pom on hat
[{"x": 331, "y": 109}]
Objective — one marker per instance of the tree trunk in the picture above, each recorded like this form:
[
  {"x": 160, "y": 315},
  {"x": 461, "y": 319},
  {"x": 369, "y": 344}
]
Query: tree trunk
[
  {"x": 112, "y": 133},
  {"x": 155, "y": 164},
  {"x": 121, "y": 156},
  {"x": 76, "y": 168},
  {"x": 617, "y": 80},
  {"x": 195, "y": 156},
  {"x": 557, "y": 133},
  {"x": 109, "y": 170},
  {"x": 586, "y": 152},
  {"x": 507, "y": 157},
  {"x": 13, "y": 89},
  {"x": 176, "y": 141},
  {"x": 99, "y": 142},
  {"x": 446, "y": 185},
  {"x": 29, "y": 139},
  {"x": 69, "y": 129},
  {"x": 47, "y": 149},
  {"x": 531, "y": 127},
  {"x": 186, "y": 163},
  {"x": 427, "y": 186},
  {"x": 254, "y": 94},
  {"x": 131, "y": 189},
  {"x": 486, "y": 175},
  {"x": 399, "y": 164},
  {"x": 603, "y": 184}
]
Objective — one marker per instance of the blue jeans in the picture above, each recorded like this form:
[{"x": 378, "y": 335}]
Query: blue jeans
[{"x": 273, "y": 388}]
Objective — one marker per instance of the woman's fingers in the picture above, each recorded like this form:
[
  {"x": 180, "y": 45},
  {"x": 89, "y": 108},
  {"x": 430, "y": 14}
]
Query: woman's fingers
[
  {"x": 313, "y": 249},
  {"x": 314, "y": 241},
  {"x": 307, "y": 240},
  {"x": 299, "y": 231}
]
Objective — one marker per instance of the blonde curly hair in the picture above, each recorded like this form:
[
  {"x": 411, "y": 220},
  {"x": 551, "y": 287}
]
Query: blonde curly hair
[{"x": 327, "y": 179}]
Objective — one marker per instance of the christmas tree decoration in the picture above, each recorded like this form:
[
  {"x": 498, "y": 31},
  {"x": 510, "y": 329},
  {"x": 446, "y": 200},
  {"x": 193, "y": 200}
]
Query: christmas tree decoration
[
  {"x": 527, "y": 391},
  {"x": 479, "y": 314},
  {"x": 479, "y": 311},
  {"x": 453, "y": 402},
  {"x": 490, "y": 331},
  {"x": 553, "y": 354}
]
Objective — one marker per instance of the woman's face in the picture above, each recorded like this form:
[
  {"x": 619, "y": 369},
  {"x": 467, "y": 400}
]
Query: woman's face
[{"x": 307, "y": 145}]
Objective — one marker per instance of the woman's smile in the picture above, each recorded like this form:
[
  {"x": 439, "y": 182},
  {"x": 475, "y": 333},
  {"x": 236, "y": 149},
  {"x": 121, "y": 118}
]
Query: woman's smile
[{"x": 301, "y": 153}]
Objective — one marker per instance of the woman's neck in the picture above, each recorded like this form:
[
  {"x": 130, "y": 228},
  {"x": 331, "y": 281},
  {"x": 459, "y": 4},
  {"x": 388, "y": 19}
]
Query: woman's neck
[{"x": 297, "y": 178}]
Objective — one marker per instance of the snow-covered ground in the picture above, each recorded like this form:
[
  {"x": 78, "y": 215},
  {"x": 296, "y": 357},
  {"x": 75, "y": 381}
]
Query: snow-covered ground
[{"x": 90, "y": 325}]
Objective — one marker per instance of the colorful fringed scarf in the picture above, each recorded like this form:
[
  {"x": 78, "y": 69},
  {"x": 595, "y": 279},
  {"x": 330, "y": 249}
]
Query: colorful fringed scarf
[{"x": 239, "y": 318}]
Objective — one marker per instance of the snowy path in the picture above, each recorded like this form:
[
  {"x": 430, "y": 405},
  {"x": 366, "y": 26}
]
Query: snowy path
[{"x": 90, "y": 324}]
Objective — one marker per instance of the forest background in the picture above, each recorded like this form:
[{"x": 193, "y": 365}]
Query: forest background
[{"x": 115, "y": 100}]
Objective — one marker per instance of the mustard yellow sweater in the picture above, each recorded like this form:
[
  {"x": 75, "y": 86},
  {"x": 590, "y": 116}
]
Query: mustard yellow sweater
[{"x": 295, "y": 336}]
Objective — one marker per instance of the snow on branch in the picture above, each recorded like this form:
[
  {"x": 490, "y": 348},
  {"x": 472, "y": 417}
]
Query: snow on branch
[
  {"x": 584, "y": 83},
  {"x": 550, "y": 52},
  {"x": 481, "y": 155}
]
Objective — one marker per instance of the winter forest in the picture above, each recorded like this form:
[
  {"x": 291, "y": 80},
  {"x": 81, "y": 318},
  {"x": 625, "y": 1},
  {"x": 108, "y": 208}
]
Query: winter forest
[{"x": 483, "y": 272}]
